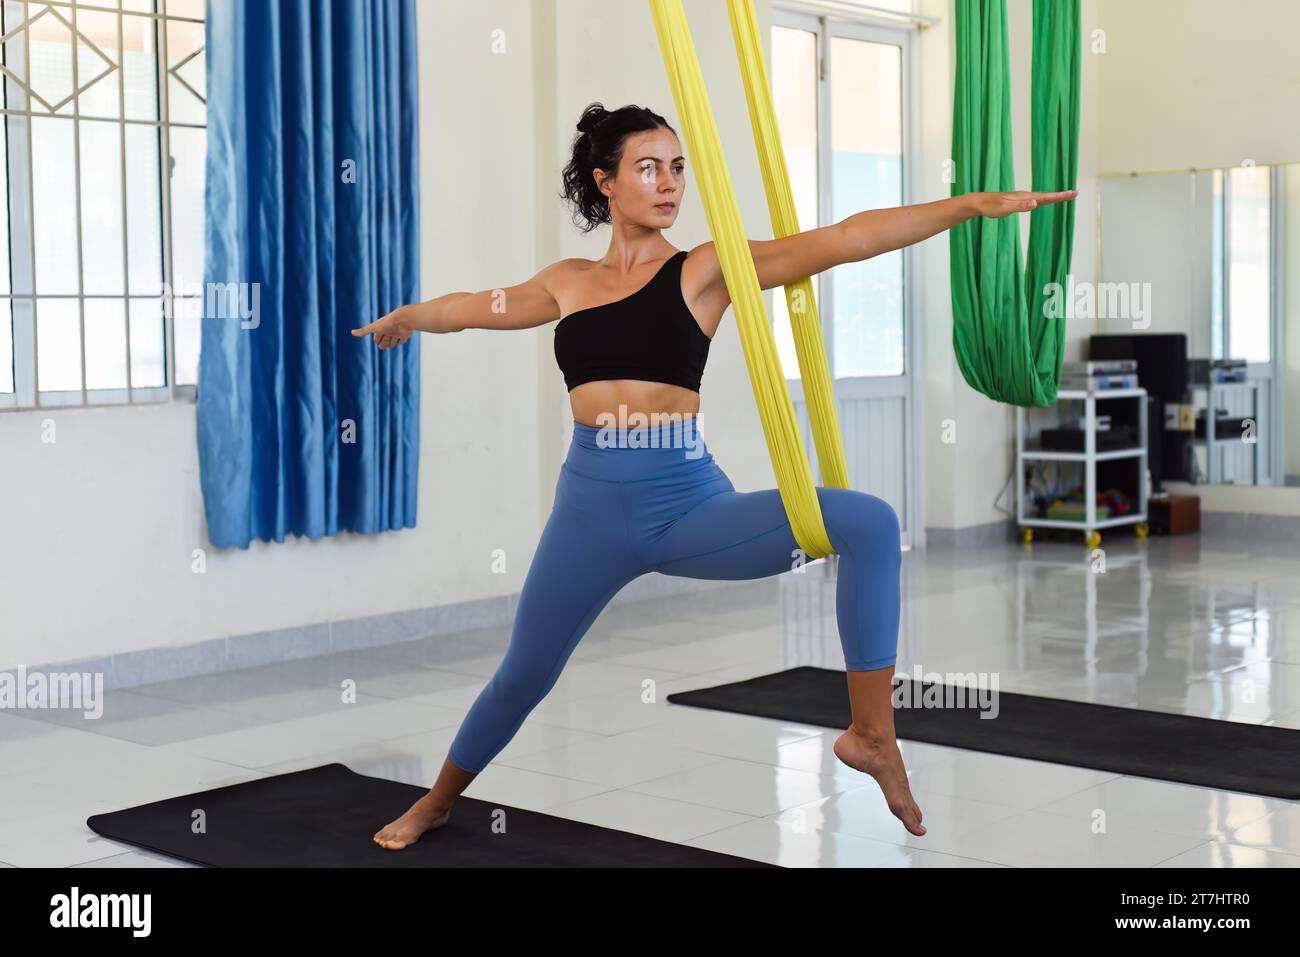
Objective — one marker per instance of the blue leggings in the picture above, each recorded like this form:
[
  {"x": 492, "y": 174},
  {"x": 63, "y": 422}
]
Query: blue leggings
[{"x": 632, "y": 501}]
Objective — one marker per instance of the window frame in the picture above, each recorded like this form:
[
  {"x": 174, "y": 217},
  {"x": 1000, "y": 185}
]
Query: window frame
[{"x": 27, "y": 394}]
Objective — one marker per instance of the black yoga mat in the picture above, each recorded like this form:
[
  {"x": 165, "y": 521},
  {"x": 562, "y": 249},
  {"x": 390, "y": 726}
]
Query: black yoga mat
[
  {"x": 1150, "y": 744},
  {"x": 326, "y": 816}
]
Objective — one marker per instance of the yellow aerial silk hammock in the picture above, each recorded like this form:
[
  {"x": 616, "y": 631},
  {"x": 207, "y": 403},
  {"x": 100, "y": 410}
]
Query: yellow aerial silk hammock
[{"x": 789, "y": 460}]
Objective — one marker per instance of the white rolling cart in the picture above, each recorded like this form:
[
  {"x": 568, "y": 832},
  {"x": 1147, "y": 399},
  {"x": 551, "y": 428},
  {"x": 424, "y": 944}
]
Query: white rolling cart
[{"x": 1090, "y": 525}]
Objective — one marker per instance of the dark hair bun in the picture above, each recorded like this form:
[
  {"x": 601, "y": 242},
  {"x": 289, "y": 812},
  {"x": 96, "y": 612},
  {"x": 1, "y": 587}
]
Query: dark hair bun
[
  {"x": 599, "y": 145},
  {"x": 592, "y": 117}
]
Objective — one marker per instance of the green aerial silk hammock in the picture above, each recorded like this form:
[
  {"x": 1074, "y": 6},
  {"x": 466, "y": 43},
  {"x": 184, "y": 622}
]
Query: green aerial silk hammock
[{"x": 1008, "y": 348}]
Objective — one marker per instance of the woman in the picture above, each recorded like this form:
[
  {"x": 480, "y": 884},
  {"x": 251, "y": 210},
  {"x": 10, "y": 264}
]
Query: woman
[{"x": 633, "y": 337}]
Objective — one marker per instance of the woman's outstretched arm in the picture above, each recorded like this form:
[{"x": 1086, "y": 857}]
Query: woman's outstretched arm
[
  {"x": 875, "y": 231},
  {"x": 512, "y": 307}
]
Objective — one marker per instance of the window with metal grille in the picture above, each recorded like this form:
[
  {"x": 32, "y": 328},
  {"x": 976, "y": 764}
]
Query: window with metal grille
[{"x": 103, "y": 142}]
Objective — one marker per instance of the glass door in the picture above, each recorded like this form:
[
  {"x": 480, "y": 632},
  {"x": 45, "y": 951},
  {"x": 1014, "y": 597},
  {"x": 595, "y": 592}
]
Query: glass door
[{"x": 841, "y": 91}]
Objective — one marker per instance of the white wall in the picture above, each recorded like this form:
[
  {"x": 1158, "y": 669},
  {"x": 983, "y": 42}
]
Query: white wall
[{"x": 1198, "y": 83}]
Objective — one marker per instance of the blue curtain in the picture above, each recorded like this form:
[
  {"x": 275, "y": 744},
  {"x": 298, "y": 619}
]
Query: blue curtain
[{"x": 312, "y": 212}]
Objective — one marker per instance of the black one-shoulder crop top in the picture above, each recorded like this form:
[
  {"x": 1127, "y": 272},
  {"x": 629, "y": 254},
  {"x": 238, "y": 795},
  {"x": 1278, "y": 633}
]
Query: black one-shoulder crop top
[{"x": 649, "y": 335}]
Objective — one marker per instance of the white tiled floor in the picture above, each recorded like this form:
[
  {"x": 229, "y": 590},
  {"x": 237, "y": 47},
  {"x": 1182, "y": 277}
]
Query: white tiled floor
[{"x": 1195, "y": 626}]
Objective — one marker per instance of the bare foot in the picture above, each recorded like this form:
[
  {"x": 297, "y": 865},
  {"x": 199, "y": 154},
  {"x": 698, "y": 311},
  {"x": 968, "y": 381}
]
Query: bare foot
[
  {"x": 880, "y": 758},
  {"x": 424, "y": 815}
]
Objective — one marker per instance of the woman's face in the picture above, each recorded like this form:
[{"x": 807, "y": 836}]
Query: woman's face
[{"x": 651, "y": 178}]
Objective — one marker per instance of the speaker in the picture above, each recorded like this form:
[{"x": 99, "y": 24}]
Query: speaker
[{"x": 1162, "y": 371}]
